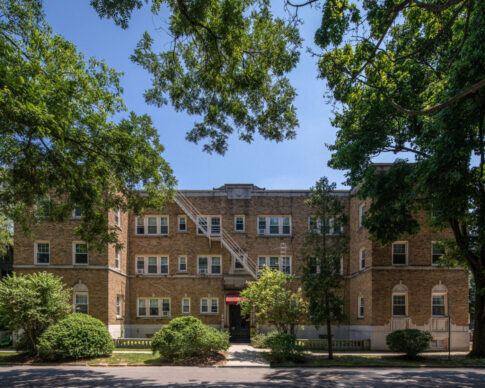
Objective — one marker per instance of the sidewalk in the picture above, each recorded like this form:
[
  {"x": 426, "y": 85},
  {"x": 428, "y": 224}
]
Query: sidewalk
[{"x": 242, "y": 355}]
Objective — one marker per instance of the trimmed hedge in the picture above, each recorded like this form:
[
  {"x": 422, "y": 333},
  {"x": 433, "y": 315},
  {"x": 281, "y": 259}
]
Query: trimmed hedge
[
  {"x": 76, "y": 336},
  {"x": 409, "y": 341},
  {"x": 187, "y": 337}
]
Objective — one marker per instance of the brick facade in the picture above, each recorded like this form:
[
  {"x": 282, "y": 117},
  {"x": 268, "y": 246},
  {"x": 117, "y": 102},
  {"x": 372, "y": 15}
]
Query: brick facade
[{"x": 375, "y": 282}]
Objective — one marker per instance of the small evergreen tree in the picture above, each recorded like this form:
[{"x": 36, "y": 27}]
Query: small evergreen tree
[{"x": 323, "y": 252}]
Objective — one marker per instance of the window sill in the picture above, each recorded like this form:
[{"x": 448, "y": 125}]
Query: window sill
[
  {"x": 360, "y": 318},
  {"x": 81, "y": 264},
  {"x": 119, "y": 318},
  {"x": 209, "y": 313},
  {"x": 155, "y": 317},
  {"x": 240, "y": 231},
  {"x": 399, "y": 316},
  {"x": 42, "y": 263},
  {"x": 183, "y": 272},
  {"x": 274, "y": 235},
  {"x": 181, "y": 231},
  {"x": 152, "y": 235}
]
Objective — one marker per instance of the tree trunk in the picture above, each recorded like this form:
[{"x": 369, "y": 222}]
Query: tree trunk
[
  {"x": 330, "y": 340},
  {"x": 478, "y": 349},
  {"x": 292, "y": 329}
]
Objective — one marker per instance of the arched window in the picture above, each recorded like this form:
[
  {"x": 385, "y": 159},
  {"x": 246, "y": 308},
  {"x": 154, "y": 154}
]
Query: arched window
[
  {"x": 400, "y": 301},
  {"x": 80, "y": 298},
  {"x": 439, "y": 301}
]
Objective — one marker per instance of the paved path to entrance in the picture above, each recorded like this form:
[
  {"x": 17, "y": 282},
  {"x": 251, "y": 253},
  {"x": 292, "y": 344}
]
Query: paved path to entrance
[{"x": 242, "y": 355}]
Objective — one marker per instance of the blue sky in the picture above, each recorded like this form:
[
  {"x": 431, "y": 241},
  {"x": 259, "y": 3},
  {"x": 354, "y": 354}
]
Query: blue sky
[{"x": 294, "y": 164}]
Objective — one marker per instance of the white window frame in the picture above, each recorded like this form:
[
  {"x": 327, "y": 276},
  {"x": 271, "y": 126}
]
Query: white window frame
[
  {"x": 405, "y": 243},
  {"x": 361, "y": 252},
  {"x": 236, "y": 262},
  {"x": 212, "y": 265},
  {"x": 137, "y": 224},
  {"x": 209, "y": 224},
  {"x": 209, "y": 265},
  {"x": 36, "y": 252},
  {"x": 405, "y": 294},
  {"x": 118, "y": 217},
  {"x": 74, "y": 243},
  {"x": 361, "y": 214},
  {"x": 182, "y": 306},
  {"x": 160, "y": 265},
  {"x": 75, "y": 294},
  {"x": 117, "y": 258},
  {"x": 138, "y": 259},
  {"x": 147, "y": 265},
  {"x": 361, "y": 307},
  {"x": 158, "y": 260},
  {"x": 163, "y": 313},
  {"x": 119, "y": 310},
  {"x": 445, "y": 304},
  {"x": 267, "y": 261},
  {"x": 178, "y": 224},
  {"x": 317, "y": 226},
  {"x": 179, "y": 262},
  {"x": 159, "y": 300},
  {"x": 209, "y": 306},
  {"x": 74, "y": 216},
  {"x": 243, "y": 223},
  {"x": 138, "y": 307},
  {"x": 267, "y": 230},
  {"x": 433, "y": 243},
  {"x": 158, "y": 225}
]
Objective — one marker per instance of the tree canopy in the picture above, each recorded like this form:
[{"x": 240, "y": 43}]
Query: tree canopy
[{"x": 61, "y": 147}]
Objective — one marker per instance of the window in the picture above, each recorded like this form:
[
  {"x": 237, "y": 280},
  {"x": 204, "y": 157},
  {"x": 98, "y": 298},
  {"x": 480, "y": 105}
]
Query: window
[
  {"x": 142, "y": 308},
  {"x": 438, "y": 305},
  {"x": 437, "y": 250},
  {"x": 81, "y": 303},
  {"x": 238, "y": 264},
  {"x": 329, "y": 226},
  {"x": 182, "y": 224},
  {"x": 215, "y": 265},
  {"x": 153, "y": 311},
  {"x": 165, "y": 307},
  {"x": 164, "y": 265},
  {"x": 399, "y": 305},
  {"x": 214, "y": 306},
  {"x": 213, "y": 221},
  {"x": 140, "y": 265},
  {"x": 203, "y": 265},
  {"x": 209, "y": 305},
  {"x": 185, "y": 306},
  {"x": 204, "y": 306},
  {"x": 164, "y": 225},
  {"x": 77, "y": 212},
  {"x": 399, "y": 253},
  {"x": 80, "y": 253},
  {"x": 117, "y": 258},
  {"x": 140, "y": 225},
  {"x": 362, "y": 258},
  {"x": 152, "y": 265},
  {"x": 182, "y": 264},
  {"x": 274, "y": 225},
  {"x": 118, "y": 306},
  {"x": 117, "y": 217},
  {"x": 152, "y": 225},
  {"x": 361, "y": 214},
  {"x": 361, "y": 307},
  {"x": 239, "y": 224},
  {"x": 42, "y": 253},
  {"x": 282, "y": 264}
]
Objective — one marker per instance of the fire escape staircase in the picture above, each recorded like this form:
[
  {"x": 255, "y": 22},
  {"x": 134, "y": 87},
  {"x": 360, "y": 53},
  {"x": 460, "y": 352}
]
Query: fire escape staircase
[{"x": 226, "y": 240}]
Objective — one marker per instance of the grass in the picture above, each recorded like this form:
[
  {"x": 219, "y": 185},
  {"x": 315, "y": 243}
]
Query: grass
[
  {"x": 117, "y": 359},
  {"x": 315, "y": 360}
]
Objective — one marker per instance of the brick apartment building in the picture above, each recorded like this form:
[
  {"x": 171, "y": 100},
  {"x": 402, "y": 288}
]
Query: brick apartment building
[{"x": 169, "y": 267}]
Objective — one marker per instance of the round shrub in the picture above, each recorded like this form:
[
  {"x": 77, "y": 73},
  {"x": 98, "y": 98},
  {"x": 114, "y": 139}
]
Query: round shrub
[
  {"x": 409, "y": 341},
  {"x": 284, "y": 347},
  {"x": 76, "y": 336},
  {"x": 188, "y": 337}
]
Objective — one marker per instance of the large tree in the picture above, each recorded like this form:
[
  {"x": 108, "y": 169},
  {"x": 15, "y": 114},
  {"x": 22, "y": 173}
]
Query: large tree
[
  {"x": 61, "y": 147},
  {"x": 406, "y": 77},
  {"x": 323, "y": 252}
]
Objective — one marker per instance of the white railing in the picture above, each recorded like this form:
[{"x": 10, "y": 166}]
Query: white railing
[{"x": 224, "y": 237}]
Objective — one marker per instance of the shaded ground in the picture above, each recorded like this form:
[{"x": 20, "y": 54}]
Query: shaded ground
[{"x": 24, "y": 376}]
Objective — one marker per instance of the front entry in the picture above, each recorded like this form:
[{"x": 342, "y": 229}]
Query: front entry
[{"x": 238, "y": 325}]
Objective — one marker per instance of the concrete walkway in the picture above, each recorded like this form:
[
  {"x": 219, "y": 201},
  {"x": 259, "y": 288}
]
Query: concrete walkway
[{"x": 243, "y": 355}]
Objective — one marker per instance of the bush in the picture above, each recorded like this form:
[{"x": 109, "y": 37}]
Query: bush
[
  {"x": 259, "y": 340},
  {"x": 409, "y": 341},
  {"x": 76, "y": 336},
  {"x": 283, "y": 347},
  {"x": 188, "y": 337}
]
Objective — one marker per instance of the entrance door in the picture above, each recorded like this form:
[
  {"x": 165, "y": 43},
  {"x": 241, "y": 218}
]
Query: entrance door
[{"x": 239, "y": 326}]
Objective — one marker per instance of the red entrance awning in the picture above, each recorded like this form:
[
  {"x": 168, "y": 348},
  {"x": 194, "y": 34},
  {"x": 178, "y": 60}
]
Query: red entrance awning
[{"x": 232, "y": 299}]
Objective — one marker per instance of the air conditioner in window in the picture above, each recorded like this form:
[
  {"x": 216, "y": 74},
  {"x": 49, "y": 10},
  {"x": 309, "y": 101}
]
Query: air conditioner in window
[
  {"x": 203, "y": 271},
  {"x": 165, "y": 313},
  {"x": 262, "y": 231},
  {"x": 140, "y": 271}
]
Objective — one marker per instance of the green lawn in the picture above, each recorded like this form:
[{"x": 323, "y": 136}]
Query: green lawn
[{"x": 315, "y": 360}]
